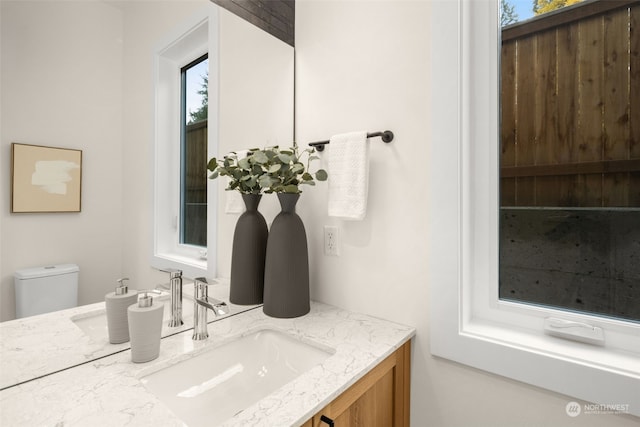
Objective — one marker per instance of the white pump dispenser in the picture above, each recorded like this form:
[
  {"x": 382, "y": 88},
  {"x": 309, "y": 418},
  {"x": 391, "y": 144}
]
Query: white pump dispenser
[
  {"x": 145, "y": 328},
  {"x": 117, "y": 303}
]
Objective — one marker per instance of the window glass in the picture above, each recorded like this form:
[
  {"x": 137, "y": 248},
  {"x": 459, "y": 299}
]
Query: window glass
[
  {"x": 193, "y": 189},
  {"x": 569, "y": 167}
]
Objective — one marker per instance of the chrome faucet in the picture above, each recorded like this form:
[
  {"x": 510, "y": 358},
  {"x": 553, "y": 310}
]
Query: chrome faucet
[
  {"x": 202, "y": 302},
  {"x": 175, "y": 288}
]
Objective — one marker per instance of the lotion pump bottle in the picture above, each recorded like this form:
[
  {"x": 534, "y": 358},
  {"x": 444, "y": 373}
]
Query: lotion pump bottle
[
  {"x": 145, "y": 328},
  {"x": 117, "y": 303}
]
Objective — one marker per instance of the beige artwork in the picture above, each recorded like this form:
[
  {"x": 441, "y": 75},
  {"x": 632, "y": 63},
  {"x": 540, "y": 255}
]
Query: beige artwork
[{"x": 45, "y": 179}]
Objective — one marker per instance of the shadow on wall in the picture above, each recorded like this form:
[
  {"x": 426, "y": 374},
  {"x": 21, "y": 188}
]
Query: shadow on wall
[{"x": 586, "y": 260}]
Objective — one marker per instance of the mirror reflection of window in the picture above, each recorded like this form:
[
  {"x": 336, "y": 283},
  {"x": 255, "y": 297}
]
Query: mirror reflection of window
[
  {"x": 193, "y": 189},
  {"x": 570, "y": 155}
]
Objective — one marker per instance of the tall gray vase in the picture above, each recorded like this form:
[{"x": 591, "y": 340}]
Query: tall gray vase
[
  {"x": 286, "y": 275},
  {"x": 248, "y": 256}
]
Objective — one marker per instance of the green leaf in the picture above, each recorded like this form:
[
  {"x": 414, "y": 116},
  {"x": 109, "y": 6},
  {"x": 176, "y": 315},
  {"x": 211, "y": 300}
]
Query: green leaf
[
  {"x": 265, "y": 181},
  {"x": 244, "y": 164},
  {"x": 260, "y": 157},
  {"x": 322, "y": 175},
  {"x": 307, "y": 177},
  {"x": 213, "y": 164},
  {"x": 274, "y": 168},
  {"x": 284, "y": 158},
  {"x": 251, "y": 182},
  {"x": 291, "y": 189},
  {"x": 297, "y": 167},
  {"x": 284, "y": 168},
  {"x": 214, "y": 175}
]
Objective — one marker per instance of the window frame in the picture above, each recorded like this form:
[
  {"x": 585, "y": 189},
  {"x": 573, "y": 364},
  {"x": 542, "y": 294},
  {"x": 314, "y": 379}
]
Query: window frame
[
  {"x": 195, "y": 38},
  {"x": 469, "y": 324}
]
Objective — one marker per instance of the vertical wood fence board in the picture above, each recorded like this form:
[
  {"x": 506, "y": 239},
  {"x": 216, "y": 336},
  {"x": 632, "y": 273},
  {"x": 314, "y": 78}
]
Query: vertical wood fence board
[
  {"x": 616, "y": 86},
  {"x": 508, "y": 192},
  {"x": 615, "y": 187},
  {"x": 525, "y": 129},
  {"x": 634, "y": 87},
  {"x": 525, "y": 191},
  {"x": 545, "y": 123},
  {"x": 525, "y": 81},
  {"x": 590, "y": 57},
  {"x": 567, "y": 109},
  {"x": 545, "y": 99},
  {"x": 508, "y": 105},
  {"x": 508, "y": 121}
]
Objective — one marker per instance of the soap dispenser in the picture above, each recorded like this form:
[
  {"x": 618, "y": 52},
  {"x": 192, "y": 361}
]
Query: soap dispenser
[
  {"x": 145, "y": 328},
  {"x": 117, "y": 303}
]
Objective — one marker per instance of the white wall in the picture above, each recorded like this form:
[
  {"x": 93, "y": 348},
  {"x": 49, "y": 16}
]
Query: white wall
[
  {"x": 62, "y": 87},
  {"x": 366, "y": 65},
  {"x": 256, "y": 110}
]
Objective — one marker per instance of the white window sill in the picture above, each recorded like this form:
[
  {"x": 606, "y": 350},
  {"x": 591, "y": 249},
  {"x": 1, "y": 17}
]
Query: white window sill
[
  {"x": 191, "y": 267},
  {"x": 563, "y": 366}
]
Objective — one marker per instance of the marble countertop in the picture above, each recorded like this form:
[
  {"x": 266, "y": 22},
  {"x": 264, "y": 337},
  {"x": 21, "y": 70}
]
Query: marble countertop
[
  {"x": 23, "y": 342},
  {"x": 108, "y": 391}
]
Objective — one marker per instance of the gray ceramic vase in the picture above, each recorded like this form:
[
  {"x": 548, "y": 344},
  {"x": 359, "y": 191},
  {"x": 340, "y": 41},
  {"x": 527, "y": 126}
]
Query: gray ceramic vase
[
  {"x": 286, "y": 276},
  {"x": 248, "y": 256}
]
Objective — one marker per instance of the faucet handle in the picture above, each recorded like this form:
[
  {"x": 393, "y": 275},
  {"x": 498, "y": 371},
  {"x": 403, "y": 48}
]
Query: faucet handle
[
  {"x": 173, "y": 272},
  {"x": 219, "y": 308}
]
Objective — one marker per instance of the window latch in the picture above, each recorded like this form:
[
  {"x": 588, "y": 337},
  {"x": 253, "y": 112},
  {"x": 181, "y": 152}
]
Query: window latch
[{"x": 576, "y": 331}]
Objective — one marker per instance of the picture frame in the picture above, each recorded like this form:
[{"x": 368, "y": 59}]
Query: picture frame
[{"x": 45, "y": 179}]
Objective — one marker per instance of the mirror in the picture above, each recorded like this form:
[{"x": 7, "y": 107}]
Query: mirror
[
  {"x": 570, "y": 158},
  {"x": 80, "y": 75}
]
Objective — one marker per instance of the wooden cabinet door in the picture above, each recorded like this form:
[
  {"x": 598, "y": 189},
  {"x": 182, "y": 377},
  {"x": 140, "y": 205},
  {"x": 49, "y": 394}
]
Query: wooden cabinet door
[{"x": 379, "y": 399}]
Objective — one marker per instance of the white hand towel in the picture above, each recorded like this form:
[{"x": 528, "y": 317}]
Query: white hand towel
[
  {"x": 234, "y": 203},
  {"x": 348, "y": 168}
]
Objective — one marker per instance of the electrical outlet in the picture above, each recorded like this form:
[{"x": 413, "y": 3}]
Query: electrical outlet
[{"x": 331, "y": 240}]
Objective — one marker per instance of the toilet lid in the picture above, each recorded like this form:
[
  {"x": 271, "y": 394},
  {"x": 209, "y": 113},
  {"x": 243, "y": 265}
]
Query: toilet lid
[{"x": 51, "y": 270}]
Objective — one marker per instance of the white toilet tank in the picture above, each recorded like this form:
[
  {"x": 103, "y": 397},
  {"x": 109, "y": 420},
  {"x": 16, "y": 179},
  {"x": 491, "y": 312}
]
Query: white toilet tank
[{"x": 45, "y": 289}]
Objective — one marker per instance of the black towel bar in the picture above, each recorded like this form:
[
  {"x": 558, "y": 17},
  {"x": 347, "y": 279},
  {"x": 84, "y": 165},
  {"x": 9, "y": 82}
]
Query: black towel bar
[{"x": 387, "y": 136}]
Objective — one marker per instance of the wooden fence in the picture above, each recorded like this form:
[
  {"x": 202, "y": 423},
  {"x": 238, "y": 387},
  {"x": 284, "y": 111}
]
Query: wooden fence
[
  {"x": 196, "y": 160},
  {"x": 570, "y": 108},
  {"x": 195, "y": 191}
]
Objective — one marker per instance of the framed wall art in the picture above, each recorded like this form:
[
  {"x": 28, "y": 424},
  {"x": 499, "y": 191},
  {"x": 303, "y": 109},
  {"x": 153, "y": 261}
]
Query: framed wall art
[{"x": 45, "y": 179}]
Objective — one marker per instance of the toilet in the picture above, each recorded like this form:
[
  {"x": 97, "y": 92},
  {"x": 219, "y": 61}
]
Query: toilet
[{"x": 45, "y": 289}]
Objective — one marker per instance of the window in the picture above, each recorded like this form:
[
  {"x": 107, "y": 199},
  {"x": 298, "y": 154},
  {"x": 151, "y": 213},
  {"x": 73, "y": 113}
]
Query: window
[
  {"x": 184, "y": 64},
  {"x": 570, "y": 174},
  {"x": 194, "y": 143},
  {"x": 469, "y": 322}
]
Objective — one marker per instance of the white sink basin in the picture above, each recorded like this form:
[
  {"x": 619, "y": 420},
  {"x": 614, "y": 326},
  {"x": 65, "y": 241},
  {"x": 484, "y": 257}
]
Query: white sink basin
[
  {"x": 94, "y": 324},
  {"x": 212, "y": 387}
]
